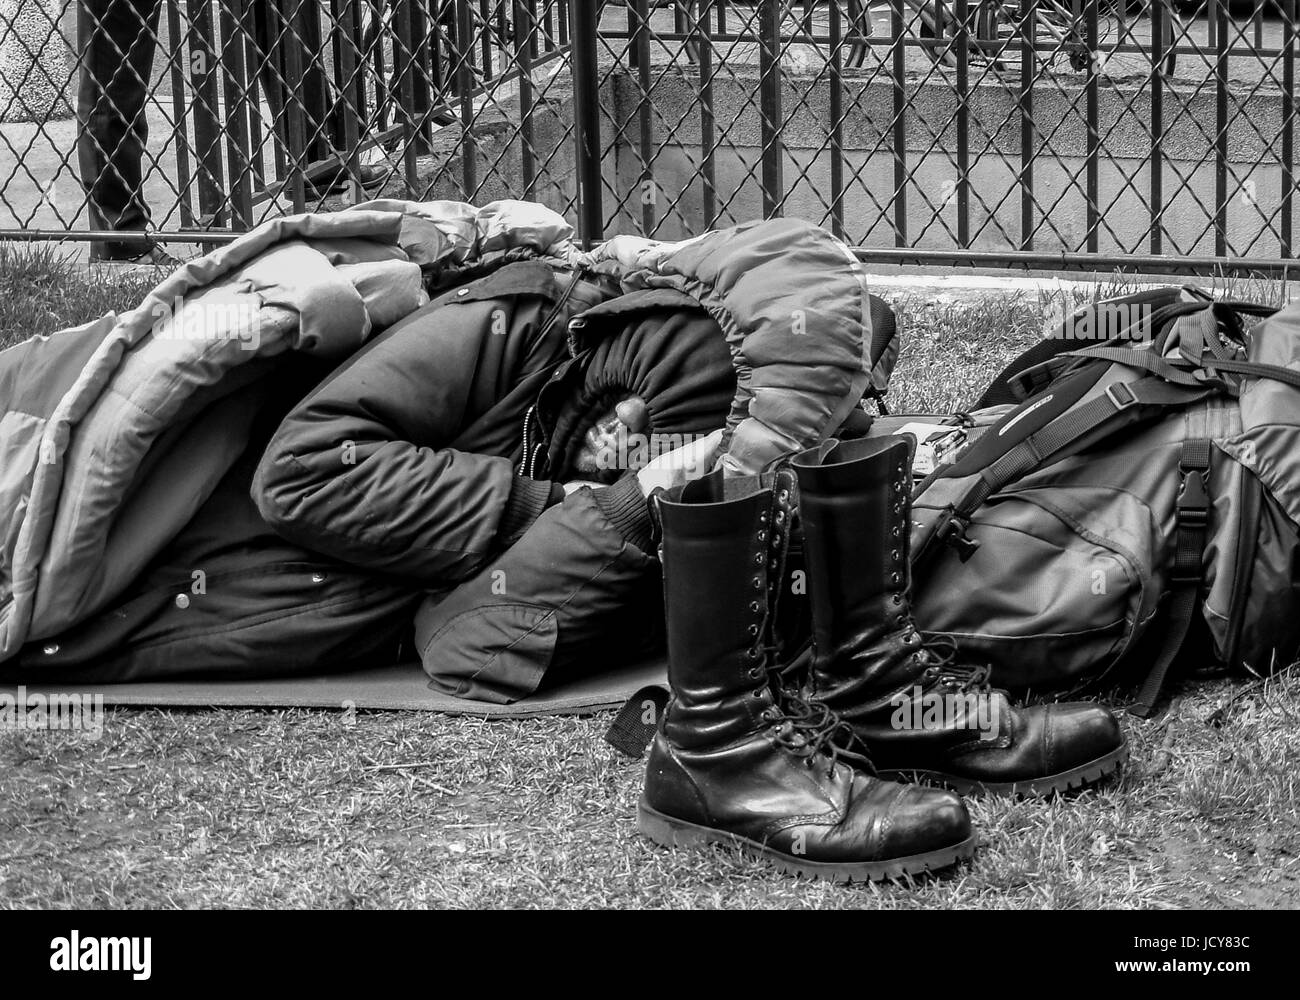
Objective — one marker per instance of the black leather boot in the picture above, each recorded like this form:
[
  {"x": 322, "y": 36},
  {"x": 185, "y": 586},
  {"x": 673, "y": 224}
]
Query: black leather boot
[
  {"x": 733, "y": 761},
  {"x": 915, "y": 706}
]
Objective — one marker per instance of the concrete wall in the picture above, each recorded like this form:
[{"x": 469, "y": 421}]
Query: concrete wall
[
  {"x": 1124, "y": 175},
  {"x": 36, "y": 62}
]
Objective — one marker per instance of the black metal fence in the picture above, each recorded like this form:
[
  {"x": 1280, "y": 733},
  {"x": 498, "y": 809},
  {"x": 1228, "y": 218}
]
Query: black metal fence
[{"x": 1096, "y": 133}]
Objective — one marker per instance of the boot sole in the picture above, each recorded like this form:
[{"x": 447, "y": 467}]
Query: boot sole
[
  {"x": 1052, "y": 784},
  {"x": 670, "y": 832}
]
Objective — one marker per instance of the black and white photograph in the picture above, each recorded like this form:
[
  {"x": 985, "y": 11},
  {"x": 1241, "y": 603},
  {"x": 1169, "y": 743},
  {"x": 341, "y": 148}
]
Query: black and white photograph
[{"x": 578, "y": 455}]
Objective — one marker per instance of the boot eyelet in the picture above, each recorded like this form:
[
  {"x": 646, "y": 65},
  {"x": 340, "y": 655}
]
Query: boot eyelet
[
  {"x": 753, "y": 630},
  {"x": 762, "y": 534},
  {"x": 895, "y": 579},
  {"x": 773, "y": 564},
  {"x": 897, "y": 599},
  {"x": 894, "y": 531},
  {"x": 755, "y": 673},
  {"x": 780, "y": 517},
  {"x": 754, "y": 654},
  {"x": 758, "y": 559},
  {"x": 762, "y": 517},
  {"x": 758, "y": 584},
  {"x": 783, "y": 495},
  {"x": 755, "y": 607},
  {"x": 759, "y": 693}
]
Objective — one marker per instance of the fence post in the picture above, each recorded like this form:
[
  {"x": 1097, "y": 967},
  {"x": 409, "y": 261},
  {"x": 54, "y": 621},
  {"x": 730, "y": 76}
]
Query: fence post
[
  {"x": 207, "y": 132},
  {"x": 769, "y": 83},
  {"x": 1288, "y": 121},
  {"x": 1028, "y": 31},
  {"x": 586, "y": 121},
  {"x": 1157, "y": 166}
]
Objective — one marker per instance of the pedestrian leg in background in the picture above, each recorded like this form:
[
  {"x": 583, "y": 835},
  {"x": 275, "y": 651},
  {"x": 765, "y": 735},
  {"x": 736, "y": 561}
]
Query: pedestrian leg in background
[{"x": 117, "y": 39}]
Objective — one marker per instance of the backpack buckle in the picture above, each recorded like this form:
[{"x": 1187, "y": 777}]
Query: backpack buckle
[
  {"x": 1193, "y": 508},
  {"x": 1120, "y": 395},
  {"x": 951, "y": 530}
]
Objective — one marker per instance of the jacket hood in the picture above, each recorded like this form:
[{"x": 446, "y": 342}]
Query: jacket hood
[{"x": 660, "y": 345}]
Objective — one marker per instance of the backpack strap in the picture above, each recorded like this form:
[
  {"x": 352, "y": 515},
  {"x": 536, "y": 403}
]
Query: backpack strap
[
  {"x": 1121, "y": 404},
  {"x": 1191, "y": 526}
]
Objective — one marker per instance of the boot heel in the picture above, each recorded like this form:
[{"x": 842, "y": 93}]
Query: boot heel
[{"x": 666, "y": 831}]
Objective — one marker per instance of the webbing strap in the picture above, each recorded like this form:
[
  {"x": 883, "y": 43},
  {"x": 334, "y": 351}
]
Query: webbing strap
[
  {"x": 1256, "y": 369},
  {"x": 1191, "y": 527},
  {"x": 1149, "y": 361},
  {"x": 1070, "y": 427}
]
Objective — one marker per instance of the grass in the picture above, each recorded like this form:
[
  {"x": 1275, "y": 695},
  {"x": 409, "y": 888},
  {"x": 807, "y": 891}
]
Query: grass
[{"x": 326, "y": 809}]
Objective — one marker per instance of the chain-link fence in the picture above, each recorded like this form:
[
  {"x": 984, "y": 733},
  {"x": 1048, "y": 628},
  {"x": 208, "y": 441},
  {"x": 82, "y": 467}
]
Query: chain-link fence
[{"x": 1053, "y": 132}]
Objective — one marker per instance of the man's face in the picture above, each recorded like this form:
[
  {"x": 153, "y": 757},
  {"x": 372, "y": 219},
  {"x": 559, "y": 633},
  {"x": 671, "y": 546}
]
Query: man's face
[{"x": 602, "y": 456}]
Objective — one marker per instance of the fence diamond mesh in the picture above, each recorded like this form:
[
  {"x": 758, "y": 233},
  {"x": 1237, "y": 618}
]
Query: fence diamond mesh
[{"x": 1075, "y": 132}]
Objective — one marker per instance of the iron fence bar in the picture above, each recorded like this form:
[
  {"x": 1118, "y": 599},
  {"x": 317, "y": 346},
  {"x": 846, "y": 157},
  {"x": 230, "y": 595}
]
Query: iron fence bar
[
  {"x": 1027, "y": 29},
  {"x": 1156, "y": 167},
  {"x": 562, "y": 22},
  {"x": 645, "y": 132},
  {"x": 256, "y": 139},
  {"x": 404, "y": 73},
  {"x": 769, "y": 82},
  {"x": 901, "y": 104},
  {"x": 837, "y": 120},
  {"x": 709, "y": 181},
  {"x": 383, "y": 93},
  {"x": 1288, "y": 121},
  {"x": 237, "y": 151},
  {"x": 183, "y": 175},
  {"x": 586, "y": 132},
  {"x": 423, "y": 29},
  {"x": 295, "y": 130},
  {"x": 1220, "y": 14},
  {"x": 207, "y": 133},
  {"x": 465, "y": 84},
  {"x": 524, "y": 28},
  {"x": 1093, "y": 164},
  {"x": 1072, "y": 261},
  {"x": 485, "y": 39},
  {"x": 346, "y": 45},
  {"x": 203, "y": 236},
  {"x": 1064, "y": 260},
  {"x": 962, "y": 14}
]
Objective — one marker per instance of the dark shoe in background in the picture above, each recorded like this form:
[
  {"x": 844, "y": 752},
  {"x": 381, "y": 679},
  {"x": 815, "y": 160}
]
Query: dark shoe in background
[
  {"x": 333, "y": 178},
  {"x": 133, "y": 253},
  {"x": 917, "y": 708},
  {"x": 740, "y": 762}
]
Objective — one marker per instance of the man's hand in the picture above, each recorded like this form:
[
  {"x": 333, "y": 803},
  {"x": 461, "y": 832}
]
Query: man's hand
[
  {"x": 573, "y": 485},
  {"x": 681, "y": 465}
]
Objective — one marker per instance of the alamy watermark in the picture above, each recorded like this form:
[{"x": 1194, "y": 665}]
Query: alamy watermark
[
  {"x": 1072, "y": 318},
  {"x": 633, "y": 450},
  {"x": 28, "y": 711},
  {"x": 208, "y": 321},
  {"x": 919, "y": 710}
]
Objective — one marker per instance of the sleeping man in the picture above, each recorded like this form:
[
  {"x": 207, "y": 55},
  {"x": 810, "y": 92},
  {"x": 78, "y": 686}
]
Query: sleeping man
[
  {"x": 467, "y": 488},
  {"x": 437, "y": 470}
]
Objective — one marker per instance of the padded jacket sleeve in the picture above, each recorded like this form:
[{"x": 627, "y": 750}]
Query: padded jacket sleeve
[
  {"x": 579, "y": 590},
  {"x": 361, "y": 470}
]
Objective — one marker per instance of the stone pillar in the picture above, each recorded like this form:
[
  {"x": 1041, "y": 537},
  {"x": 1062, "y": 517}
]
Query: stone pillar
[{"x": 37, "y": 82}]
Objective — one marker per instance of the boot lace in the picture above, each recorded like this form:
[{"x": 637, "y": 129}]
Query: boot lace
[
  {"x": 808, "y": 728},
  {"x": 939, "y": 654}
]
